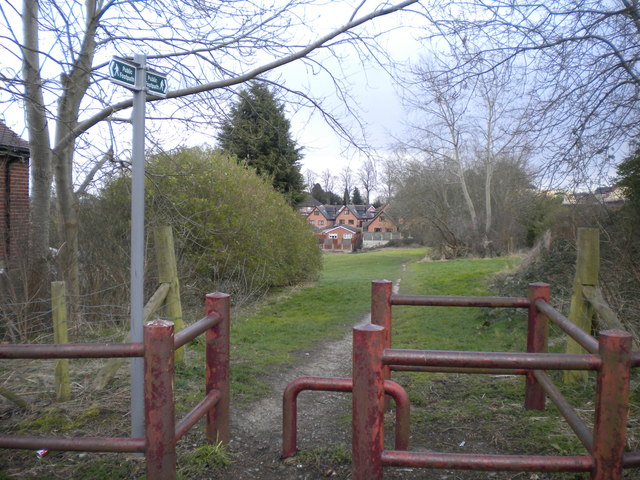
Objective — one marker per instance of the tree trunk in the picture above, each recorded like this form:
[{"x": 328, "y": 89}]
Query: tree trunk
[
  {"x": 74, "y": 88},
  {"x": 40, "y": 152}
]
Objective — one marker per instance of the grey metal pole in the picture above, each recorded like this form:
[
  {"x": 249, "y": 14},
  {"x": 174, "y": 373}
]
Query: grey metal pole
[{"x": 137, "y": 246}]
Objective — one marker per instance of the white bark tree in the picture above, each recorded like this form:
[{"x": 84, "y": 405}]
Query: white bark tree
[
  {"x": 368, "y": 177},
  {"x": 209, "y": 46},
  {"x": 466, "y": 124},
  {"x": 581, "y": 58}
]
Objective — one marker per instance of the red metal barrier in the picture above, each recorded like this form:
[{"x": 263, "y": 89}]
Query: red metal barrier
[
  {"x": 290, "y": 409},
  {"x": 610, "y": 356},
  {"x": 161, "y": 432}
]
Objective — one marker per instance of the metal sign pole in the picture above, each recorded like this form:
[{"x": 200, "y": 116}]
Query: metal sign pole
[{"x": 137, "y": 246}]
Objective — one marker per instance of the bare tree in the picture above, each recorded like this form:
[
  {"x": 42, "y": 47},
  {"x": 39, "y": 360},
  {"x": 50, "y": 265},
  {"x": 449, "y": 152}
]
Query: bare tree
[
  {"x": 388, "y": 175},
  {"x": 345, "y": 176},
  {"x": 62, "y": 78},
  {"x": 466, "y": 125},
  {"x": 368, "y": 177},
  {"x": 581, "y": 62},
  {"x": 310, "y": 178},
  {"x": 328, "y": 180}
]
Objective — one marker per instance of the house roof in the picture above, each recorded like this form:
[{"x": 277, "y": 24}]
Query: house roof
[
  {"x": 11, "y": 142},
  {"x": 337, "y": 227},
  {"x": 379, "y": 212},
  {"x": 361, "y": 212},
  {"x": 308, "y": 201}
]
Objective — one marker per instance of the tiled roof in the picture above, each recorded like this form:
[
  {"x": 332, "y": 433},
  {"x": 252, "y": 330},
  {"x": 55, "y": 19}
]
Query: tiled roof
[
  {"x": 9, "y": 140},
  {"x": 336, "y": 227}
]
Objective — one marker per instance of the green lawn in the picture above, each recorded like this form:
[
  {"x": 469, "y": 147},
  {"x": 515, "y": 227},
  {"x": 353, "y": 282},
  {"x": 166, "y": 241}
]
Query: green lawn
[{"x": 295, "y": 319}]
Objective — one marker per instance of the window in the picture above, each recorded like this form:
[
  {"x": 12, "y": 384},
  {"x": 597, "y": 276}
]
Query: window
[
  {"x": 316, "y": 212},
  {"x": 310, "y": 222},
  {"x": 320, "y": 222},
  {"x": 350, "y": 222},
  {"x": 333, "y": 235},
  {"x": 341, "y": 222},
  {"x": 347, "y": 236},
  {"x": 382, "y": 219},
  {"x": 378, "y": 230},
  {"x": 389, "y": 230}
]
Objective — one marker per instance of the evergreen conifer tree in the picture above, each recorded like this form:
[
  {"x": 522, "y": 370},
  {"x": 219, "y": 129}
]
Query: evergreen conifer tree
[
  {"x": 356, "y": 198},
  {"x": 258, "y": 133}
]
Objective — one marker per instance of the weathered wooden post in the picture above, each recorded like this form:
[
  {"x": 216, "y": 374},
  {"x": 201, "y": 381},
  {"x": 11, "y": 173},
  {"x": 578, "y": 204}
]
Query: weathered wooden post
[
  {"x": 60, "y": 336},
  {"x": 581, "y": 311},
  {"x": 168, "y": 273}
]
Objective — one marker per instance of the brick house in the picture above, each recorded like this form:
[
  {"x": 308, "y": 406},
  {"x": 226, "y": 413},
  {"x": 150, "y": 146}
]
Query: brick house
[
  {"x": 341, "y": 238},
  {"x": 374, "y": 226},
  {"x": 381, "y": 222},
  {"x": 14, "y": 196}
]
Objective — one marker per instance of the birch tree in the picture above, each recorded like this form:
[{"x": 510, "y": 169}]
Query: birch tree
[
  {"x": 581, "y": 59},
  {"x": 463, "y": 124},
  {"x": 209, "y": 47},
  {"x": 368, "y": 177}
]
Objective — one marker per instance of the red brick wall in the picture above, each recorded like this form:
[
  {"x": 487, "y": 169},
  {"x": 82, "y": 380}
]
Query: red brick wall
[
  {"x": 14, "y": 208},
  {"x": 383, "y": 225}
]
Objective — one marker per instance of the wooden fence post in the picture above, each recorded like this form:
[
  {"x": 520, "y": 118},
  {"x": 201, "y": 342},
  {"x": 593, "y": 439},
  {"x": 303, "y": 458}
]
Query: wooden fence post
[
  {"x": 60, "y": 336},
  {"x": 581, "y": 311},
  {"x": 168, "y": 273}
]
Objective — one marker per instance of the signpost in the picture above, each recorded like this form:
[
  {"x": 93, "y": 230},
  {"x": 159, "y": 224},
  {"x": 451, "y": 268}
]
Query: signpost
[
  {"x": 135, "y": 76},
  {"x": 123, "y": 72},
  {"x": 156, "y": 83}
]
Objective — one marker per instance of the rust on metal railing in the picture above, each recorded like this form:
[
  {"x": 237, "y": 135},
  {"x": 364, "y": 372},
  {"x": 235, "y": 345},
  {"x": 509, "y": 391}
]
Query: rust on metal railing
[
  {"x": 79, "y": 444},
  {"x": 455, "y": 301},
  {"x": 585, "y": 340},
  {"x": 577, "y": 425},
  {"x": 196, "y": 329},
  {"x": 72, "y": 350},
  {"x": 488, "y": 462},
  {"x": 345, "y": 385},
  {"x": 491, "y": 371},
  {"x": 462, "y": 359},
  {"x": 199, "y": 411}
]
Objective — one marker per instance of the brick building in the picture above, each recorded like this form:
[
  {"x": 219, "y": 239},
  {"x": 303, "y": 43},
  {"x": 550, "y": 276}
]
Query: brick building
[{"x": 14, "y": 196}]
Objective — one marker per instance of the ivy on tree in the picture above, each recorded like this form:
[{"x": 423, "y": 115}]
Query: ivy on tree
[{"x": 258, "y": 133}]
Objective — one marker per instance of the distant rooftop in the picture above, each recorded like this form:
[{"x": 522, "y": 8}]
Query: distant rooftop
[{"x": 10, "y": 141}]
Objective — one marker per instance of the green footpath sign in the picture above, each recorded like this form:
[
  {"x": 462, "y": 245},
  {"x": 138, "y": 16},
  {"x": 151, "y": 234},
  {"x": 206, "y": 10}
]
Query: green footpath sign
[
  {"x": 122, "y": 72},
  {"x": 156, "y": 83}
]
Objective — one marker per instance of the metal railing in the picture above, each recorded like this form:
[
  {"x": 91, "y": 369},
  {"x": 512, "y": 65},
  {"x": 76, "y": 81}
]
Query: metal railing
[
  {"x": 609, "y": 355},
  {"x": 161, "y": 430}
]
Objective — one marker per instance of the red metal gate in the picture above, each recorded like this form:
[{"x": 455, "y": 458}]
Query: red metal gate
[
  {"x": 161, "y": 431},
  {"x": 610, "y": 356}
]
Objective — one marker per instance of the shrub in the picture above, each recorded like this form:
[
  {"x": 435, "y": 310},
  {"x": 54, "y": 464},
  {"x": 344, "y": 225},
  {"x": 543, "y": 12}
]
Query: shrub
[{"x": 232, "y": 231}]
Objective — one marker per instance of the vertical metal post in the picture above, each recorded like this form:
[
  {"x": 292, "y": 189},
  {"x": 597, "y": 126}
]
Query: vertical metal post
[
  {"x": 137, "y": 246},
  {"x": 537, "y": 333},
  {"x": 381, "y": 291},
  {"x": 159, "y": 401},
  {"x": 217, "y": 368},
  {"x": 367, "y": 402},
  {"x": 612, "y": 404}
]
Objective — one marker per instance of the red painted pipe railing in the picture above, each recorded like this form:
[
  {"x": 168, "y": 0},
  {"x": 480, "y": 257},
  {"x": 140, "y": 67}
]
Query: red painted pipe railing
[
  {"x": 295, "y": 387},
  {"x": 610, "y": 356},
  {"x": 451, "y": 301},
  {"x": 161, "y": 432},
  {"x": 585, "y": 340},
  {"x": 487, "y": 462}
]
